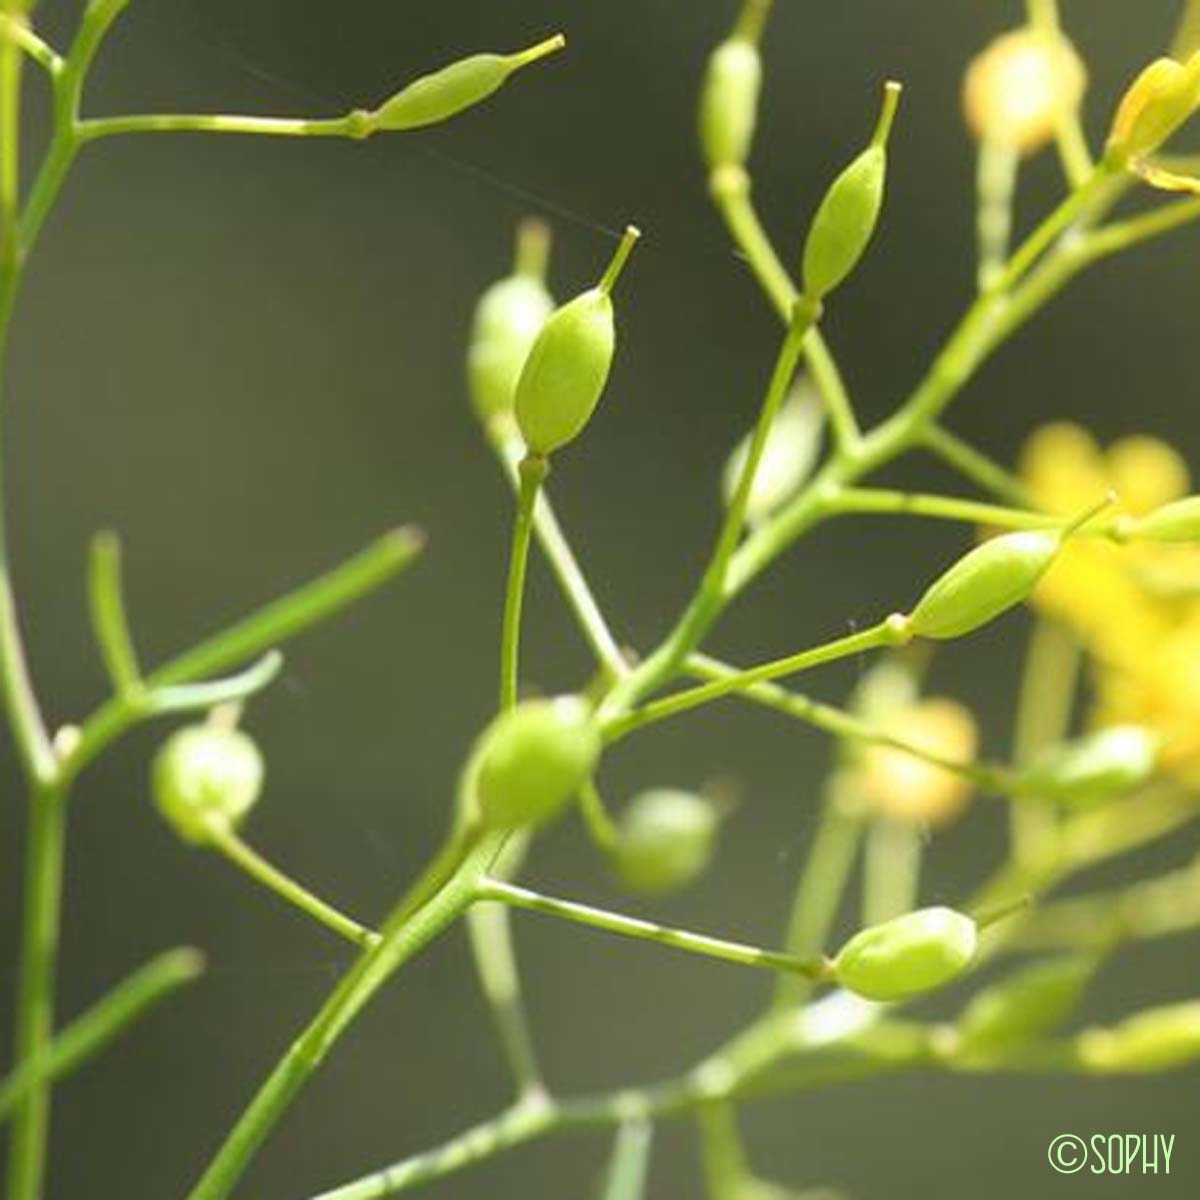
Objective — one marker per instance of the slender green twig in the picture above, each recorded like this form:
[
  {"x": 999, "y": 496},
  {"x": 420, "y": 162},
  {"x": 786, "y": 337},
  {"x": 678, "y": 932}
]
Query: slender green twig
[
  {"x": 355, "y": 125},
  {"x": 533, "y": 470},
  {"x": 1187, "y": 33},
  {"x": 679, "y": 939},
  {"x": 891, "y": 870},
  {"x": 600, "y": 824},
  {"x": 629, "y": 1165},
  {"x": 106, "y": 1020},
  {"x": 109, "y": 621},
  {"x": 974, "y": 465},
  {"x": 226, "y": 841},
  {"x": 13, "y": 29}
]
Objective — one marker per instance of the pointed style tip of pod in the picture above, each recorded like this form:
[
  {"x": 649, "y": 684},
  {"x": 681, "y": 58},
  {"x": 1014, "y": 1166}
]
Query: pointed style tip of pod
[
  {"x": 887, "y": 112},
  {"x": 620, "y": 257}
]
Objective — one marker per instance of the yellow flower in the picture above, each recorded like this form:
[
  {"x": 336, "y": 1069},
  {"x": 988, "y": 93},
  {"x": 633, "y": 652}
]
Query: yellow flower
[
  {"x": 1136, "y": 607},
  {"x": 911, "y": 789}
]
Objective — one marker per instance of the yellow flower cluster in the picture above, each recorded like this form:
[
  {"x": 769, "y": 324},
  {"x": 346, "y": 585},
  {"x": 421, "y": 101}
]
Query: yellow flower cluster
[{"x": 1136, "y": 607}]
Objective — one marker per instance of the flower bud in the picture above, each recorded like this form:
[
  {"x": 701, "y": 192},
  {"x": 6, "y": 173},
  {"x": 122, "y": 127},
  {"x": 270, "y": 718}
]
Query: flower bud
[
  {"x": 1157, "y": 103},
  {"x": 792, "y": 449},
  {"x": 508, "y": 318},
  {"x": 848, "y": 214},
  {"x": 1157, "y": 1039},
  {"x": 1178, "y": 521},
  {"x": 205, "y": 775},
  {"x": 985, "y": 582},
  {"x": 567, "y": 368},
  {"x": 665, "y": 840},
  {"x": 729, "y": 102},
  {"x": 1103, "y": 764},
  {"x": 913, "y": 790},
  {"x": 531, "y": 759},
  {"x": 1015, "y": 90},
  {"x": 447, "y": 92},
  {"x": 908, "y": 955},
  {"x": 1026, "y": 1006}
]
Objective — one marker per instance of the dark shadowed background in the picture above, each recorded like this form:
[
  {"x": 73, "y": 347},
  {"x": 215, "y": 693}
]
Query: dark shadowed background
[{"x": 246, "y": 356}]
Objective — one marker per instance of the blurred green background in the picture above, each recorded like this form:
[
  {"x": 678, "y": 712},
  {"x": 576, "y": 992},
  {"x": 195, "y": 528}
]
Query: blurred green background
[{"x": 246, "y": 357}]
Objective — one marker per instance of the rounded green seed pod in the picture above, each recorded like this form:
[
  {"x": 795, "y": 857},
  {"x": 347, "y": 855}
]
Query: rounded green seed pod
[
  {"x": 532, "y": 759},
  {"x": 1099, "y": 766},
  {"x": 1158, "y": 1039},
  {"x": 912, "y": 954},
  {"x": 665, "y": 840},
  {"x": 729, "y": 102},
  {"x": 567, "y": 368},
  {"x": 985, "y": 582},
  {"x": 1026, "y": 1006},
  {"x": 849, "y": 213},
  {"x": 445, "y": 93},
  {"x": 1176, "y": 522},
  {"x": 206, "y": 774}
]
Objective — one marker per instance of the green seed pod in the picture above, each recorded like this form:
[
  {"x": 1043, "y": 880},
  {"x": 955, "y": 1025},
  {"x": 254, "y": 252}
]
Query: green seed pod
[
  {"x": 508, "y": 318},
  {"x": 729, "y": 102},
  {"x": 846, "y": 219},
  {"x": 1177, "y": 522},
  {"x": 985, "y": 582},
  {"x": 906, "y": 956},
  {"x": 567, "y": 368},
  {"x": 205, "y": 775},
  {"x": 1103, "y": 764},
  {"x": 792, "y": 450},
  {"x": 1026, "y": 1006},
  {"x": 532, "y": 759},
  {"x": 1158, "y": 1039},
  {"x": 665, "y": 840},
  {"x": 447, "y": 92}
]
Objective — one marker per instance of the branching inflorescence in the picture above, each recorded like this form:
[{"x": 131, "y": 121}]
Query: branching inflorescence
[{"x": 1099, "y": 544}]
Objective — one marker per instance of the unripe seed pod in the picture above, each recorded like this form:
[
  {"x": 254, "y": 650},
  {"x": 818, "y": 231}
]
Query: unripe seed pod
[
  {"x": 1099, "y": 766},
  {"x": 462, "y": 84},
  {"x": 1157, "y": 103},
  {"x": 665, "y": 840},
  {"x": 567, "y": 368},
  {"x": 1015, "y": 90},
  {"x": 1175, "y": 522},
  {"x": 908, "y": 955},
  {"x": 205, "y": 775},
  {"x": 985, "y": 582},
  {"x": 792, "y": 449},
  {"x": 508, "y": 318},
  {"x": 531, "y": 759},
  {"x": 846, "y": 219},
  {"x": 1158, "y": 1039},
  {"x": 729, "y": 103},
  {"x": 1026, "y": 1006}
]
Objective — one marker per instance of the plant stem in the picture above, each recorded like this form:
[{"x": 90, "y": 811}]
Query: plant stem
[
  {"x": 977, "y": 467},
  {"x": 600, "y": 826},
  {"x": 629, "y": 1164},
  {"x": 726, "y": 1171},
  {"x": 679, "y": 939},
  {"x": 355, "y": 125},
  {"x": 109, "y": 621},
  {"x": 107, "y": 1019},
  {"x": 223, "y": 838},
  {"x": 533, "y": 471},
  {"x": 35, "y": 994},
  {"x": 891, "y": 870},
  {"x": 995, "y": 187},
  {"x": 17, "y": 31},
  {"x": 440, "y": 899},
  {"x": 889, "y": 632}
]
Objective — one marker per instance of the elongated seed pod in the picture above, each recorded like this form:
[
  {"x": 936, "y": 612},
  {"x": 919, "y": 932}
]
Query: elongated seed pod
[
  {"x": 849, "y": 212},
  {"x": 985, "y": 582},
  {"x": 729, "y": 102},
  {"x": 912, "y": 954},
  {"x": 1157, "y": 1039},
  {"x": 568, "y": 367},
  {"x": 1103, "y": 764},
  {"x": 1175, "y": 522},
  {"x": 509, "y": 316},
  {"x": 205, "y": 774},
  {"x": 1027, "y": 1005},
  {"x": 461, "y": 85},
  {"x": 531, "y": 760},
  {"x": 665, "y": 840}
]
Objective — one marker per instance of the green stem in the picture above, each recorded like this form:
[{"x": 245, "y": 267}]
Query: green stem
[
  {"x": 679, "y": 939},
  {"x": 225, "y": 840},
  {"x": 109, "y": 621},
  {"x": 106, "y": 1020},
  {"x": 440, "y": 899},
  {"x": 821, "y": 885},
  {"x": 35, "y": 993},
  {"x": 17, "y": 31},
  {"x": 726, "y": 1170},
  {"x": 995, "y": 187},
  {"x": 889, "y": 632},
  {"x": 600, "y": 825},
  {"x": 533, "y": 471},
  {"x": 629, "y": 1164},
  {"x": 1187, "y": 34},
  {"x": 973, "y": 465},
  {"x": 891, "y": 870},
  {"x": 355, "y": 125}
]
